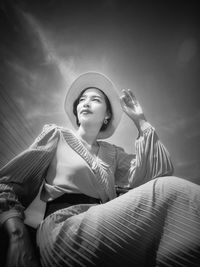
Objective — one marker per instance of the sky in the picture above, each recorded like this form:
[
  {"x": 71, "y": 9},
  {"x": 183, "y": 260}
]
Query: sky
[{"x": 150, "y": 47}]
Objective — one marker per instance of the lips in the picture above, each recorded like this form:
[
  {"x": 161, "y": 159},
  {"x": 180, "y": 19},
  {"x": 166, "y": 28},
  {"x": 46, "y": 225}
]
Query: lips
[{"x": 86, "y": 111}]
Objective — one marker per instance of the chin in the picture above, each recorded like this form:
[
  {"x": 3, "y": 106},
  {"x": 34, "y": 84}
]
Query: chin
[
  {"x": 89, "y": 123},
  {"x": 85, "y": 122}
]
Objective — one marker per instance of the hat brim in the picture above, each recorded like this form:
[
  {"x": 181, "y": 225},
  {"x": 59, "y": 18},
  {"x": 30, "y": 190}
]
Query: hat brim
[{"x": 98, "y": 80}]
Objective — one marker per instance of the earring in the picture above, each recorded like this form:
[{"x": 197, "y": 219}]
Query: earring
[{"x": 105, "y": 121}]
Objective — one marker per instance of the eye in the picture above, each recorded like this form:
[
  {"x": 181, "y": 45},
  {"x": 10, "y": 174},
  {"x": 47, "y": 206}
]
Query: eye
[
  {"x": 81, "y": 99},
  {"x": 97, "y": 100}
]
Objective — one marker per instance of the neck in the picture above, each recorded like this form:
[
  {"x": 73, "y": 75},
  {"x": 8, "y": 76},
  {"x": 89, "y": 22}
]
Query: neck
[{"x": 88, "y": 135}]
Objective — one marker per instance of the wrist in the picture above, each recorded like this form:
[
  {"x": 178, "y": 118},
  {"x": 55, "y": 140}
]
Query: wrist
[{"x": 141, "y": 125}]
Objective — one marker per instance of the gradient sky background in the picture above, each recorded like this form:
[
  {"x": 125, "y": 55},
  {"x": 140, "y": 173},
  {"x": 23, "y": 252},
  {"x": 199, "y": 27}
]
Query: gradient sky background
[{"x": 151, "y": 47}]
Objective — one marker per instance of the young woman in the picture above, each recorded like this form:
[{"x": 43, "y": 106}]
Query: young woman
[{"x": 75, "y": 174}]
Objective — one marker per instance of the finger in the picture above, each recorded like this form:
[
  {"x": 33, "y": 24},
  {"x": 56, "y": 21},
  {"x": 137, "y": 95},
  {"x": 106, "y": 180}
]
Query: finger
[
  {"x": 131, "y": 94},
  {"x": 133, "y": 97},
  {"x": 4, "y": 204},
  {"x": 127, "y": 97},
  {"x": 123, "y": 100},
  {"x": 123, "y": 103},
  {"x": 125, "y": 93}
]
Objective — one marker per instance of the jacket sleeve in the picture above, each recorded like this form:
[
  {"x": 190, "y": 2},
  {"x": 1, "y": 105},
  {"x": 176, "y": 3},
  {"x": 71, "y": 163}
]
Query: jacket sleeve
[
  {"x": 151, "y": 160},
  {"x": 20, "y": 179}
]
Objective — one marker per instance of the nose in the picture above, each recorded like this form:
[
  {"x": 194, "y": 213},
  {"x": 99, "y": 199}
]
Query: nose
[{"x": 86, "y": 103}]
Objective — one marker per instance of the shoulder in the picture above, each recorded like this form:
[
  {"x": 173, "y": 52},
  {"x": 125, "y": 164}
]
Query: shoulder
[
  {"x": 53, "y": 127},
  {"x": 49, "y": 127},
  {"x": 49, "y": 132}
]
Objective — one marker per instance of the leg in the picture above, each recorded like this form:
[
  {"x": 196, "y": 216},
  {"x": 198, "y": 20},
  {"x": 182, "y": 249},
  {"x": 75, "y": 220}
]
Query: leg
[{"x": 156, "y": 224}]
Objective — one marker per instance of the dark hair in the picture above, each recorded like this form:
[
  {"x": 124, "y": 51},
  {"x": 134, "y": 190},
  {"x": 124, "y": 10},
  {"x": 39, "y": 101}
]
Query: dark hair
[{"x": 108, "y": 105}]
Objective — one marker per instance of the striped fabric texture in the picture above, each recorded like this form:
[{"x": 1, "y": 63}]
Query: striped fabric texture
[
  {"x": 156, "y": 224},
  {"x": 21, "y": 178}
]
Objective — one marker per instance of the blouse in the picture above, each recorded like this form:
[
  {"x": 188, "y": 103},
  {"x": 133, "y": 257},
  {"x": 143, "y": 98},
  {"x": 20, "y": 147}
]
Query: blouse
[{"x": 22, "y": 178}]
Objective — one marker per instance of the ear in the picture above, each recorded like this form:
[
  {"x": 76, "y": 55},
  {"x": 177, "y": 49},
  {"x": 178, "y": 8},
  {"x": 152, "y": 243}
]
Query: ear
[{"x": 108, "y": 115}]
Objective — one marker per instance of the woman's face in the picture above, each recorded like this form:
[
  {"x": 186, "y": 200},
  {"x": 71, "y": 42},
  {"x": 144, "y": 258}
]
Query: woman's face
[{"x": 92, "y": 107}]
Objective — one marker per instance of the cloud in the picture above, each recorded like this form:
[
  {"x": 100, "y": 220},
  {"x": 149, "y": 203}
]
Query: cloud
[
  {"x": 35, "y": 48},
  {"x": 39, "y": 85},
  {"x": 65, "y": 66},
  {"x": 53, "y": 69}
]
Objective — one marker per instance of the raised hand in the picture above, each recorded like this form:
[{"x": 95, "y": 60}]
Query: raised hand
[{"x": 132, "y": 108}]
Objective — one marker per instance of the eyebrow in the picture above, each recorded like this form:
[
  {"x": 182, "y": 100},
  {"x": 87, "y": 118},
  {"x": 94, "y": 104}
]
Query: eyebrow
[{"x": 98, "y": 96}]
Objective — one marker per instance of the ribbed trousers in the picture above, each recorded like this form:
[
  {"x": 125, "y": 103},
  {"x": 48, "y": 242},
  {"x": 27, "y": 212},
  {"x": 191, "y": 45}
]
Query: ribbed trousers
[{"x": 156, "y": 224}]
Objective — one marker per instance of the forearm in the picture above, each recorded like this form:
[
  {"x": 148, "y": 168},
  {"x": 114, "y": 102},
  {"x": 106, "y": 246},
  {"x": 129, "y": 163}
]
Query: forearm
[{"x": 152, "y": 158}]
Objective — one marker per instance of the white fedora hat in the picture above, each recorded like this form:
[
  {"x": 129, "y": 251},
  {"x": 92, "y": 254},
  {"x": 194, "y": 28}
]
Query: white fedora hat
[{"x": 100, "y": 81}]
